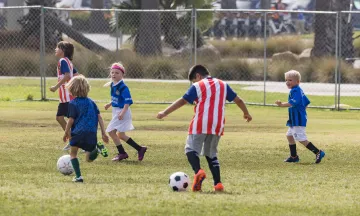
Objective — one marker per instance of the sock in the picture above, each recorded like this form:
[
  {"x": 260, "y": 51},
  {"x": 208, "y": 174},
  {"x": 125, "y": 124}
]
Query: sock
[
  {"x": 76, "y": 165},
  {"x": 133, "y": 144},
  {"x": 120, "y": 149},
  {"x": 94, "y": 154},
  {"x": 214, "y": 168},
  {"x": 194, "y": 161},
  {"x": 293, "y": 150},
  {"x": 312, "y": 148}
]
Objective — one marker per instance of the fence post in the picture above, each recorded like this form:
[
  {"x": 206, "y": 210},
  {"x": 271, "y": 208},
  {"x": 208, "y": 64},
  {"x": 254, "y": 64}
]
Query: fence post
[
  {"x": 265, "y": 55},
  {"x": 42, "y": 55},
  {"x": 117, "y": 31},
  {"x": 338, "y": 58},
  {"x": 195, "y": 35}
]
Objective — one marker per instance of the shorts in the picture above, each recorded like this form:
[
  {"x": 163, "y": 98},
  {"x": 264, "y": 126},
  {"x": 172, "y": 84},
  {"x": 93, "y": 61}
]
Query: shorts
[
  {"x": 63, "y": 109},
  {"x": 86, "y": 141},
  {"x": 298, "y": 132},
  {"x": 120, "y": 125},
  {"x": 202, "y": 144}
]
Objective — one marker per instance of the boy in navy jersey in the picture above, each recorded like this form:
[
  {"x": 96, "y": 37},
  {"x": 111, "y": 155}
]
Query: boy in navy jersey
[{"x": 297, "y": 103}]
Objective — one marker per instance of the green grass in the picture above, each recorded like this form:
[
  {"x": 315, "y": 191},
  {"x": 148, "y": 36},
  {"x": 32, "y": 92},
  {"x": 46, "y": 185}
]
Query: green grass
[
  {"x": 256, "y": 180},
  {"x": 20, "y": 89}
]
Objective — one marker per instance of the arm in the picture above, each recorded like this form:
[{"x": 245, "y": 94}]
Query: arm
[
  {"x": 280, "y": 104},
  {"x": 240, "y": 103},
  {"x": 123, "y": 111},
  {"x": 61, "y": 82},
  {"x": 67, "y": 134},
  {"x": 105, "y": 138},
  {"x": 174, "y": 106},
  {"x": 106, "y": 106}
]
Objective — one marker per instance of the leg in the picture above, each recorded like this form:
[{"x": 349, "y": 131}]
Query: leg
[
  {"x": 193, "y": 148},
  {"x": 292, "y": 146},
  {"x": 141, "y": 149},
  {"x": 302, "y": 138},
  {"x": 122, "y": 154},
  {"x": 91, "y": 156},
  {"x": 75, "y": 163},
  {"x": 210, "y": 150},
  {"x": 61, "y": 121}
]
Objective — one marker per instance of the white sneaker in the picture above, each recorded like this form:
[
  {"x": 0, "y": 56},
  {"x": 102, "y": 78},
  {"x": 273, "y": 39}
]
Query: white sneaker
[
  {"x": 67, "y": 147},
  {"x": 80, "y": 179}
]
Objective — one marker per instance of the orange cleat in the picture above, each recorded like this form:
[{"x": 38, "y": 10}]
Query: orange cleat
[
  {"x": 219, "y": 187},
  {"x": 198, "y": 179}
]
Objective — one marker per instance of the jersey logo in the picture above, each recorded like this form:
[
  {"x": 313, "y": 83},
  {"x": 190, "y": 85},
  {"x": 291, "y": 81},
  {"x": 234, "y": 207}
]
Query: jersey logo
[{"x": 117, "y": 92}]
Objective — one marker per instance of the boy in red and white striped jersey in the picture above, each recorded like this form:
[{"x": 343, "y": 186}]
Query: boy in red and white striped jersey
[
  {"x": 207, "y": 125},
  {"x": 65, "y": 71}
]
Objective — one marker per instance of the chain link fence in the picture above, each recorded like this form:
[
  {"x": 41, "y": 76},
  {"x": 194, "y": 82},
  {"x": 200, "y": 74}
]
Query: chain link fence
[{"x": 250, "y": 49}]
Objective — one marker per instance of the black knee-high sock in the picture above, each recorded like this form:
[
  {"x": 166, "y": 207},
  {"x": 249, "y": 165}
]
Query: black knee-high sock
[
  {"x": 312, "y": 148},
  {"x": 194, "y": 161},
  {"x": 215, "y": 168},
  {"x": 120, "y": 149},
  {"x": 133, "y": 144},
  {"x": 293, "y": 150}
]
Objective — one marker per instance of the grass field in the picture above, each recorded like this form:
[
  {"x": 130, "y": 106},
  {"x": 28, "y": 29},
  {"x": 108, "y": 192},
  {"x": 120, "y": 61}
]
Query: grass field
[
  {"x": 19, "y": 89},
  {"x": 256, "y": 180}
]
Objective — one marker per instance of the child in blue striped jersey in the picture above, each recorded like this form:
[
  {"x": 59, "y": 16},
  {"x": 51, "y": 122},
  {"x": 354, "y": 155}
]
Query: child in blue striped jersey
[{"x": 297, "y": 103}]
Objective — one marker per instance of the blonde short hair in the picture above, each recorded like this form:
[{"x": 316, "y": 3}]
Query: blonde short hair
[
  {"x": 294, "y": 74},
  {"x": 78, "y": 86}
]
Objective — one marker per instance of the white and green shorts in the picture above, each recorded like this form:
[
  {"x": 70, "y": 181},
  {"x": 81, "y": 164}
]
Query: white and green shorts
[{"x": 203, "y": 144}]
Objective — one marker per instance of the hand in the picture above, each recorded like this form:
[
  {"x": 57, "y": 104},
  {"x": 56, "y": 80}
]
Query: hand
[
  {"x": 161, "y": 115},
  {"x": 278, "y": 103},
  {"x": 105, "y": 138},
  {"x": 107, "y": 106},
  {"x": 52, "y": 88},
  {"x": 67, "y": 136},
  {"x": 121, "y": 116},
  {"x": 247, "y": 117}
]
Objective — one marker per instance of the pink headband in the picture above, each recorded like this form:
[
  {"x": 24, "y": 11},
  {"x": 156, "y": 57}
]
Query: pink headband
[{"x": 118, "y": 68}]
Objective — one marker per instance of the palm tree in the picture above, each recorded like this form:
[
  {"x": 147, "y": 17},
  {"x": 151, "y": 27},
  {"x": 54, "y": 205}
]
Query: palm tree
[
  {"x": 97, "y": 20},
  {"x": 173, "y": 28},
  {"x": 325, "y": 30},
  {"x": 53, "y": 27}
]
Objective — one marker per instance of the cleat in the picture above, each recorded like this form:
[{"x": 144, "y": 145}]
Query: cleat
[
  {"x": 80, "y": 179},
  {"x": 198, "y": 179},
  {"x": 141, "y": 153},
  {"x": 102, "y": 149},
  {"x": 292, "y": 159},
  {"x": 219, "y": 187},
  {"x": 319, "y": 156},
  {"x": 120, "y": 157},
  {"x": 67, "y": 147}
]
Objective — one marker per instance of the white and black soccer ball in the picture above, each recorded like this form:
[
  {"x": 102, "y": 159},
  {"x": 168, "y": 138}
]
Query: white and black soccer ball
[
  {"x": 64, "y": 165},
  {"x": 179, "y": 181}
]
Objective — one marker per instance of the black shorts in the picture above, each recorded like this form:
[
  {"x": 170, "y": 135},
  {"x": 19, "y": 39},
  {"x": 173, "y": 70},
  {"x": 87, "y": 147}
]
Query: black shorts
[
  {"x": 86, "y": 141},
  {"x": 63, "y": 109}
]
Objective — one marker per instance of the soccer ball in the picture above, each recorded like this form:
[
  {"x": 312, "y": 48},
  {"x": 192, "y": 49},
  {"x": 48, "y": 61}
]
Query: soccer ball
[
  {"x": 64, "y": 165},
  {"x": 179, "y": 181}
]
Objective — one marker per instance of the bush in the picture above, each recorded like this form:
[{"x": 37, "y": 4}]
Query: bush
[
  {"x": 233, "y": 69},
  {"x": 161, "y": 68}
]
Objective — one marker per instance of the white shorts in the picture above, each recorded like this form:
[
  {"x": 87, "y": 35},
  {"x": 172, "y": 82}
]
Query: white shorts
[
  {"x": 120, "y": 125},
  {"x": 202, "y": 144},
  {"x": 298, "y": 132}
]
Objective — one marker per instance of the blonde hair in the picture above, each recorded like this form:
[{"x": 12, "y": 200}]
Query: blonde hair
[
  {"x": 78, "y": 86},
  {"x": 117, "y": 65},
  {"x": 294, "y": 74}
]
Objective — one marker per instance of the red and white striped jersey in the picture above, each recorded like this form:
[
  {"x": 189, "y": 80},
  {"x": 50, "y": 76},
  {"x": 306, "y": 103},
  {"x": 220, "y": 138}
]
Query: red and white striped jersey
[
  {"x": 64, "y": 66},
  {"x": 211, "y": 94}
]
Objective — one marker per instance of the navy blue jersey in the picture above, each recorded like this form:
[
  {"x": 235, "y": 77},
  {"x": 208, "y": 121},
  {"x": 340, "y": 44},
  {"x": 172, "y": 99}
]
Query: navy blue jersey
[
  {"x": 85, "y": 114},
  {"x": 120, "y": 95},
  {"x": 297, "y": 111}
]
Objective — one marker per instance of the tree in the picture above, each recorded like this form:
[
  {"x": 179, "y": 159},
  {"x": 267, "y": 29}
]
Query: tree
[
  {"x": 53, "y": 28},
  {"x": 148, "y": 40},
  {"x": 97, "y": 19},
  {"x": 325, "y": 30}
]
